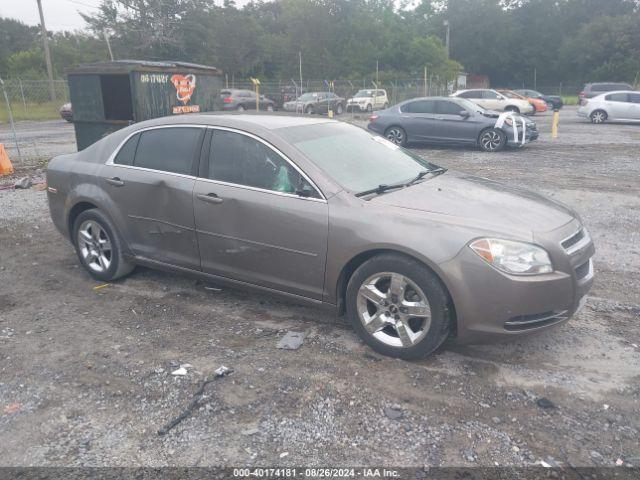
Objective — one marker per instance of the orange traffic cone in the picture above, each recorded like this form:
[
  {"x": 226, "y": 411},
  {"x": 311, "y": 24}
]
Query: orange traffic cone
[{"x": 5, "y": 164}]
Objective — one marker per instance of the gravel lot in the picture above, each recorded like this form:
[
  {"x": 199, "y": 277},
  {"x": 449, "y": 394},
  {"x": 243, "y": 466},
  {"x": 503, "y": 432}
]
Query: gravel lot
[{"x": 85, "y": 374}]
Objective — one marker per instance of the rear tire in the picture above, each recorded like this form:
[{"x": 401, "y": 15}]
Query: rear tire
[
  {"x": 99, "y": 247},
  {"x": 398, "y": 306},
  {"x": 492, "y": 140},
  {"x": 512, "y": 108},
  {"x": 396, "y": 135},
  {"x": 241, "y": 108},
  {"x": 598, "y": 116}
]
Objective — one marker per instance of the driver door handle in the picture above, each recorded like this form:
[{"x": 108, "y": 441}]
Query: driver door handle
[
  {"x": 210, "y": 198},
  {"x": 115, "y": 181}
]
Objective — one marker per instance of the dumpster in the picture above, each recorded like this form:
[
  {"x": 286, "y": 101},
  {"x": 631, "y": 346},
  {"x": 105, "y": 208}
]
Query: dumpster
[{"x": 107, "y": 96}]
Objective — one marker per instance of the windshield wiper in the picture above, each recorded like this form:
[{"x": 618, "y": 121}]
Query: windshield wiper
[
  {"x": 385, "y": 188},
  {"x": 380, "y": 189}
]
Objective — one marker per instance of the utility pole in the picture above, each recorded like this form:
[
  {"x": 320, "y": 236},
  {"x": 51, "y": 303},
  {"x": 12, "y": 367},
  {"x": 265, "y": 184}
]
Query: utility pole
[
  {"x": 106, "y": 39},
  {"x": 300, "y": 57},
  {"x": 446, "y": 41},
  {"x": 535, "y": 78},
  {"x": 47, "y": 54},
  {"x": 377, "y": 82}
]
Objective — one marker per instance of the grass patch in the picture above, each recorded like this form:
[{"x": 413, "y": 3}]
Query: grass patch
[
  {"x": 570, "y": 99},
  {"x": 33, "y": 111}
]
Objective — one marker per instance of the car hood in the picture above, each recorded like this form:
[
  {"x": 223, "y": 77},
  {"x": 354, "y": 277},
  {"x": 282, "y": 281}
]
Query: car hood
[
  {"x": 496, "y": 114},
  {"x": 482, "y": 203}
]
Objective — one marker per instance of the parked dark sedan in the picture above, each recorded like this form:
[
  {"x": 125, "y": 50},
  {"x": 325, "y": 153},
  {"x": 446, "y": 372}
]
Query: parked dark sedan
[
  {"x": 316, "y": 102},
  {"x": 553, "y": 101},
  {"x": 241, "y": 100},
  {"x": 451, "y": 120},
  {"x": 327, "y": 213}
]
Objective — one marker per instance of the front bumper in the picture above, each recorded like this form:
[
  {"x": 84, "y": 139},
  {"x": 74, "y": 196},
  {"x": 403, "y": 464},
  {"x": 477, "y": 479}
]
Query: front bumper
[
  {"x": 492, "y": 306},
  {"x": 530, "y": 135}
]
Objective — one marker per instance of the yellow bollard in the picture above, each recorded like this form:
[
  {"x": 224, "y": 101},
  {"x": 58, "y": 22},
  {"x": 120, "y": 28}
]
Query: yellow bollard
[{"x": 554, "y": 123}]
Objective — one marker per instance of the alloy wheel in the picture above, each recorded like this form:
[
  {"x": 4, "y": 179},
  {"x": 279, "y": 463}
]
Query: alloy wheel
[
  {"x": 95, "y": 246},
  {"x": 395, "y": 135},
  {"x": 598, "y": 117},
  {"x": 491, "y": 140},
  {"x": 393, "y": 309}
]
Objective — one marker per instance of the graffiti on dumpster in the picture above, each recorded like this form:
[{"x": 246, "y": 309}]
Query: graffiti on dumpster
[{"x": 185, "y": 86}]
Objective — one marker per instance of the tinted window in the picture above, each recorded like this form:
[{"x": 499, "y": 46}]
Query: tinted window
[
  {"x": 167, "y": 149},
  {"x": 634, "y": 97},
  {"x": 448, "y": 108},
  {"x": 471, "y": 94},
  {"x": 489, "y": 94},
  {"x": 617, "y": 97},
  {"x": 239, "y": 159},
  {"x": 420, "y": 106},
  {"x": 127, "y": 152}
]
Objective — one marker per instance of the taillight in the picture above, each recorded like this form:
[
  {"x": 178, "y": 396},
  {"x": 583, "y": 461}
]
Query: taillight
[
  {"x": 373, "y": 118},
  {"x": 228, "y": 100}
]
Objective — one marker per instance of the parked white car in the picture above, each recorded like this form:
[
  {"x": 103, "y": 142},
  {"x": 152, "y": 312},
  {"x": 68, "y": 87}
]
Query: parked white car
[
  {"x": 368, "y": 100},
  {"x": 493, "y": 100},
  {"x": 620, "y": 106}
]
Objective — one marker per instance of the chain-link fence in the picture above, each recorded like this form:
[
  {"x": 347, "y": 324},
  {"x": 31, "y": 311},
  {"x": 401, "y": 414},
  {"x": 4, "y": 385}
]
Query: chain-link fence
[{"x": 31, "y": 99}]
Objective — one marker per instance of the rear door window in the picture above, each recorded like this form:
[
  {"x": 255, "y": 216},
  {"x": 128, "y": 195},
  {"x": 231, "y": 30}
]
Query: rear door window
[
  {"x": 169, "y": 149},
  {"x": 634, "y": 97},
  {"x": 489, "y": 95},
  {"x": 471, "y": 94},
  {"x": 420, "y": 106},
  {"x": 617, "y": 97}
]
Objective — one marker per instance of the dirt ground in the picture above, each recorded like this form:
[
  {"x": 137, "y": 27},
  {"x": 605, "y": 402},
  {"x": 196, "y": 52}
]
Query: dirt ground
[{"x": 85, "y": 374}]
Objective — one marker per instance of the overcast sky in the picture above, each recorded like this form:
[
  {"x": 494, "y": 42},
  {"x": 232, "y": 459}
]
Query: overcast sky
[{"x": 58, "y": 14}]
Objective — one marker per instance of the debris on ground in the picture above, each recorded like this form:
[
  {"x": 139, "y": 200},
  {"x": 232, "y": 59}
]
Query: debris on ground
[
  {"x": 250, "y": 431},
  {"x": 197, "y": 398},
  {"x": 393, "y": 412},
  {"x": 213, "y": 289},
  {"x": 180, "y": 372},
  {"x": 12, "y": 408},
  {"x": 23, "y": 183},
  {"x": 291, "y": 341},
  {"x": 100, "y": 287},
  {"x": 544, "y": 402}
]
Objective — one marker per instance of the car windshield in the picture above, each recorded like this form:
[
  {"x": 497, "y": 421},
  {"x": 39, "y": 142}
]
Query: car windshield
[
  {"x": 469, "y": 105},
  {"x": 307, "y": 96},
  {"x": 353, "y": 157},
  {"x": 363, "y": 93}
]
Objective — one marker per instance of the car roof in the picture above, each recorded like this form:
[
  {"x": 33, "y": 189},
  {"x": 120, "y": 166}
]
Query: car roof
[
  {"x": 617, "y": 91},
  {"x": 237, "y": 120}
]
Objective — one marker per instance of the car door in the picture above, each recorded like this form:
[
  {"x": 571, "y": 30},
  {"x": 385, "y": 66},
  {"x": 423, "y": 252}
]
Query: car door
[
  {"x": 150, "y": 182},
  {"x": 453, "y": 127},
  {"x": 492, "y": 100},
  {"x": 475, "y": 96},
  {"x": 251, "y": 225},
  {"x": 419, "y": 120},
  {"x": 618, "y": 106},
  {"x": 634, "y": 98}
]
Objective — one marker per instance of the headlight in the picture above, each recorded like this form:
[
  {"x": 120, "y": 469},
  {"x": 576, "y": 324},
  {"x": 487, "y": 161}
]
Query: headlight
[{"x": 517, "y": 258}]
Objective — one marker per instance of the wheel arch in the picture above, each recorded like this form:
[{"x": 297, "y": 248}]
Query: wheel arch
[
  {"x": 79, "y": 207},
  {"x": 357, "y": 260}
]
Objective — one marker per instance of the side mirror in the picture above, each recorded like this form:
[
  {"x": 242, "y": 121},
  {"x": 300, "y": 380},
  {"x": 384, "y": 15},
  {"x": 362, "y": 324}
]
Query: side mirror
[{"x": 464, "y": 114}]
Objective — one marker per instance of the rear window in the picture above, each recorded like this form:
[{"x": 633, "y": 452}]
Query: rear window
[{"x": 168, "y": 149}]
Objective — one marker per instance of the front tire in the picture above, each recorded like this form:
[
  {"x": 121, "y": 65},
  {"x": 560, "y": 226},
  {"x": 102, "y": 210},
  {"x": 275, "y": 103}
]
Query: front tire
[
  {"x": 492, "y": 140},
  {"x": 270, "y": 108},
  {"x": 598, "y": 116},
  {"x": 512, "y": 108},
  {"x": 98, "y": 246},
  {"x": 309, "y": 110},
  {"x": 398, "y": 306},
  {"x": 396, "y": 135},
  {"x": 339, "y": 109},
  {"x": 241, "y": 108}
]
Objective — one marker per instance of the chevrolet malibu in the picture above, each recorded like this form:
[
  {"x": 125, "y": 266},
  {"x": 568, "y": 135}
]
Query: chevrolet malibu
[{"x": 326, "y": 213}]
